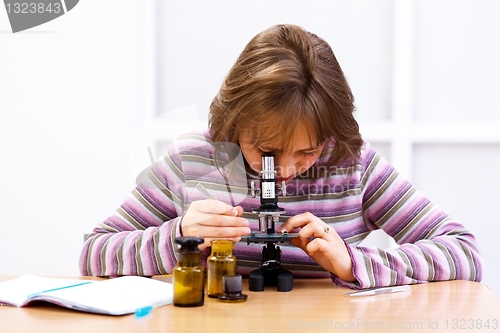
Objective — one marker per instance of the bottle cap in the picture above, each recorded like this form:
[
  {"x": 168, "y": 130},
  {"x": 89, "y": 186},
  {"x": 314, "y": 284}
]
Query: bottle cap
[
  {"x": 189, "y": 244},
  {"x": 232, "y": 286}
]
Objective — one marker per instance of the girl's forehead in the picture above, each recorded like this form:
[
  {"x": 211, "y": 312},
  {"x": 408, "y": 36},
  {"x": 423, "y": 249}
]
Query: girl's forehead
[{"x": 301, "y": 137}]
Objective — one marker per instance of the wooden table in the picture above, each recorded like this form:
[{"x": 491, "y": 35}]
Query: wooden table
[{"x": 314, "y": 305}]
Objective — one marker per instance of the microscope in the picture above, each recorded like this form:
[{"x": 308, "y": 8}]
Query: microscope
[{"x": 270, "y": 271}]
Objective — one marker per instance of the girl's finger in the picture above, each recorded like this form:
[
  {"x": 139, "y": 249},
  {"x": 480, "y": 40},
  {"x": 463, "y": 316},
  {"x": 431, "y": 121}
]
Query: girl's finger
[
  {"x": 224, "y": 221},
  {"x": 211, "y": 206},
  {"x": 315, "y": 229},
  {"x": 209, "y": 239},
  {"x": 296, "y": 221},
  {"x": 217, "y": 232}
]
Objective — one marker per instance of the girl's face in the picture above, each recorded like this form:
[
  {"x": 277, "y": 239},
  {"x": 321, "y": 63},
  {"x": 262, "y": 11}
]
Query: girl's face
[{"x": 288, "y": 163}]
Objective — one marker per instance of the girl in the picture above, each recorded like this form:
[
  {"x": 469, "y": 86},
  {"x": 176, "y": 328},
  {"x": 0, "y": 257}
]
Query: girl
[{"x": 286, "y": 94}]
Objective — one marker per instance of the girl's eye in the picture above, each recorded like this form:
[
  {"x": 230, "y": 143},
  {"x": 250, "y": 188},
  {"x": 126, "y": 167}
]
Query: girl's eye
[
  {"x": 264, "y": 151},
  {"x": 310, "y": 153}
]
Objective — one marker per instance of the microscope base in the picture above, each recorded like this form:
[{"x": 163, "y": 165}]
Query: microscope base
[{"x": 281, "y": 278}]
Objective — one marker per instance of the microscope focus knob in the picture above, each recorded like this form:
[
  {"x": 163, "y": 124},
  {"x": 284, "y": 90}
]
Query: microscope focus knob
[{"x": 253, "y": 190}]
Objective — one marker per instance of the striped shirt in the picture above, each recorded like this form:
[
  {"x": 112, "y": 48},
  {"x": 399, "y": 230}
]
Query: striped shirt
[{"x": 138, "y": 238}]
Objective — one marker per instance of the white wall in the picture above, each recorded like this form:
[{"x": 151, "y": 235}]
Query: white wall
[
  {"x": 74, "y": 91},
  {"x": 68, "y": 101}
]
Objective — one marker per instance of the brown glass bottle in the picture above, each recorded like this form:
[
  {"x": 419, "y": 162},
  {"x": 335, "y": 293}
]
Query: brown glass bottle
[
  {"x": 188, "y": 274},
  {"x": 221, "y": 262}
]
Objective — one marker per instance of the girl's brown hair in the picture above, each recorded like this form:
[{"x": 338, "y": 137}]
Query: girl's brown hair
[{"x": 286, "y": 76}]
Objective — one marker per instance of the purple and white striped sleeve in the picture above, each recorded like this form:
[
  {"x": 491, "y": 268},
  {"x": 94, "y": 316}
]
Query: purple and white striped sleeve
[
  {"x": 432, "y": 245},
  {"x": 138, "y": 239}
]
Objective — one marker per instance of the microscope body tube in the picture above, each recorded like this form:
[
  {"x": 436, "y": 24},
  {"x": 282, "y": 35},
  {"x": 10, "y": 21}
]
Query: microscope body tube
[{"x": 269, "y": 210}]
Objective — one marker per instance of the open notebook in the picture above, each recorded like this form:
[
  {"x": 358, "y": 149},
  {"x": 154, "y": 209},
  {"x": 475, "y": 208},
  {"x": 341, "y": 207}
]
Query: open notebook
[{"x": 117, "y": 296}]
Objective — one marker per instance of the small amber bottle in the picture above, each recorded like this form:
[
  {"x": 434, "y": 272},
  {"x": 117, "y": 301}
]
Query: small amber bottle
[
  {"x": 221, "y": 262},
  {"x": 188, "y": 274}
]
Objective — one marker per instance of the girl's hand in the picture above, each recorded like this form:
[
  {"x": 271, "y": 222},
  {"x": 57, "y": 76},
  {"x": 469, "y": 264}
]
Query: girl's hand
[
  {"x": 322, "y": 243},
  {"x": 212, "y": 219}
]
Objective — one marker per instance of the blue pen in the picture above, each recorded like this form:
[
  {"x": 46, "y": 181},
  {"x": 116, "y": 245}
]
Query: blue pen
[
  {"x": 143, "y": 312},
  {"x": 60, "y": 288}
]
